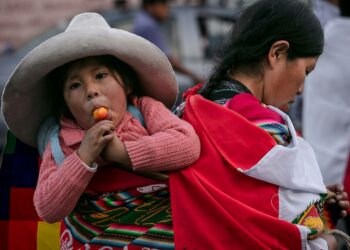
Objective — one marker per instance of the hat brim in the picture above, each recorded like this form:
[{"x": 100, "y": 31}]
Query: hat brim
[{"x": 25, "y": 100}]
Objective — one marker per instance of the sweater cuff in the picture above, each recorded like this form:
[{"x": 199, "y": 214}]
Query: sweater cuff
[
  {"x": 77, "y": 171},
  {"x": 138, "y": 156}
]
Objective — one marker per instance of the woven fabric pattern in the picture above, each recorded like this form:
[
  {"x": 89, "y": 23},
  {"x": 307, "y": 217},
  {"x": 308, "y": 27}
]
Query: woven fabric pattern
[{"x": 20, "y": 226}]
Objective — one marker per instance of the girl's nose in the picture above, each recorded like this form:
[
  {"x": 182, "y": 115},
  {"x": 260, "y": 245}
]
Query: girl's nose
[{"x": 92, "y": 92}]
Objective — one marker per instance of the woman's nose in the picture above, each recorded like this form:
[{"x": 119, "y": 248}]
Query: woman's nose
[{"x": 301, "y": 90}]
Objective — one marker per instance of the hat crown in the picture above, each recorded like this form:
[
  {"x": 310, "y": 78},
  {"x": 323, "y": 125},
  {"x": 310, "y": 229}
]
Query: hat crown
[{"x": 85, "y": 20}]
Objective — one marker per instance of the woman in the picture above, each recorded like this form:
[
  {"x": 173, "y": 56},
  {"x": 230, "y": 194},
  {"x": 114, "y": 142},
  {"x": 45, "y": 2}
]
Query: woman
[{"x": 278, "y": 186}]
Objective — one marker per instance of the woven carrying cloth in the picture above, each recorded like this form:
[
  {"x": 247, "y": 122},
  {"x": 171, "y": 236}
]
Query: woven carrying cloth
[{"x": 136, "y": 217}]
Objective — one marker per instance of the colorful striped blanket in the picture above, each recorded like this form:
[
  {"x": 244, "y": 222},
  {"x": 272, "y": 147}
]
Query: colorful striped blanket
[
  {"x": 20, "y": 227},
  {"x": 136, "y": 218}
]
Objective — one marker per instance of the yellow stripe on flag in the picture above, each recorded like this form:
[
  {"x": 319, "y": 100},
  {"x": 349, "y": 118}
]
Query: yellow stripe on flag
[{"x": 48, "y": 236}]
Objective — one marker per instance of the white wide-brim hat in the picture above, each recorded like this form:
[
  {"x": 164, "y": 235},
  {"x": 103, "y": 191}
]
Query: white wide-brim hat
[{"x": 25, "y": 102}]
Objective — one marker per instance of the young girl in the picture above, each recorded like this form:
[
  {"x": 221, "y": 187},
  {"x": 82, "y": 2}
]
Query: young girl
[
  {"x": 268, "y": 171},
  {"x": 104, "y": 172}
]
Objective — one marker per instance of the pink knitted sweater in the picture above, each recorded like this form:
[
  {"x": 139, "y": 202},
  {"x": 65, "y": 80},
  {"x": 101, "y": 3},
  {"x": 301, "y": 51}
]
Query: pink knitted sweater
[{"x": 167, "y": 143}]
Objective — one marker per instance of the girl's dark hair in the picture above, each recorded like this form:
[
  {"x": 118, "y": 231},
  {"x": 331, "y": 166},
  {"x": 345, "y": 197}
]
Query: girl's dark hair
[
  {"x": 58, "y": 76},
  {"x": 258, "y": 27}
]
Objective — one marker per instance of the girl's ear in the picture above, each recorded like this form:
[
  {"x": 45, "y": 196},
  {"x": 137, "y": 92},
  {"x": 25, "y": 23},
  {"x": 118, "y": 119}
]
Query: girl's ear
[
  {"x": 128, "y": 90},
  {"x": 130, "y": 95},
  {"x": 278, "y": 51}
]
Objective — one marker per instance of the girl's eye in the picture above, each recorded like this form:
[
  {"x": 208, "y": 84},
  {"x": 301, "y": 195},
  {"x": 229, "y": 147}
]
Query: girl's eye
[
  {"x": 100, "y": 76},
  {"x": 74, "y": 85}
]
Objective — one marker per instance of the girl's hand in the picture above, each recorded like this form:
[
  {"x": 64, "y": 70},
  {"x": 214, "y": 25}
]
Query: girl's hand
[
  {"x": 115, "y": 151},
  {"x": 95, "y": 140},
  {"x": 337, "y": 201}
]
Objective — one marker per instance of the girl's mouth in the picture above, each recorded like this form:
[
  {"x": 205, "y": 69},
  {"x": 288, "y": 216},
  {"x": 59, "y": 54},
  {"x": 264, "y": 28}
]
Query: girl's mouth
[{"x": 100, "y": 113}]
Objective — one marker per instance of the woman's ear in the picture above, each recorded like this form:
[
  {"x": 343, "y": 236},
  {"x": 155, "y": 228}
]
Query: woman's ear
[{"x": 278, "y": 51}]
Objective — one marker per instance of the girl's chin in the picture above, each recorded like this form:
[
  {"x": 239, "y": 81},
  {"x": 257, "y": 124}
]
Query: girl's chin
[{"x": 85, "y": 125}]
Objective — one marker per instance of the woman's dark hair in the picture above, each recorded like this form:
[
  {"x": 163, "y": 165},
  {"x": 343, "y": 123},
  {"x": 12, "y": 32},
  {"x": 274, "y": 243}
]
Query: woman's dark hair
[
  {"x": 344, "y": 6},
  {"x": 258, "y": 27},
  {"x": 58, "y": 76}
]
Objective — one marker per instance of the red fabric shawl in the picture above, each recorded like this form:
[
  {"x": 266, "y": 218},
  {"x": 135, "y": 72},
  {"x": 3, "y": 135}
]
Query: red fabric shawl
[
  {"x": 215, "y": 206},
  {"x": 347, "y": 180}
]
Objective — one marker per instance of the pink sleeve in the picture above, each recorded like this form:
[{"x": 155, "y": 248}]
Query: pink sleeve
[
  {"x": 59, "y": 187},
  {"x": 172, "y": 143}
]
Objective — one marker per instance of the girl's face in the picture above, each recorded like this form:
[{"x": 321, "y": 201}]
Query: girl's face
[
  {"x": 286, "y": 81},
  {"x": 91, "y": 85}
]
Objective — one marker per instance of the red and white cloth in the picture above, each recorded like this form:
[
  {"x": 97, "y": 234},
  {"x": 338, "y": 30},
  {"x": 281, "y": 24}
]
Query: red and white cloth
[{"x": 245, "y": 190}]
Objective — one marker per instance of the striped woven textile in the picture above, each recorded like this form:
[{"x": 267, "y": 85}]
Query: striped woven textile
[
  {"x": 131, "y": 219},
  {"x": 20, "y": 227},
  {"x": 124, "y": 219},
  {"x": 278, "y": 131}
]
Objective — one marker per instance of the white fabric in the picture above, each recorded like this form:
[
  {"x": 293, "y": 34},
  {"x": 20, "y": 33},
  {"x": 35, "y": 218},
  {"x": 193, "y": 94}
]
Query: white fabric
[
  {"x": 295, "y": 170},
  {"x": 326, "y": 114},
  {"x": 292, "y": 203},
  {"x": 293, "y": 167},
  {"x": 316, "y": 244}
]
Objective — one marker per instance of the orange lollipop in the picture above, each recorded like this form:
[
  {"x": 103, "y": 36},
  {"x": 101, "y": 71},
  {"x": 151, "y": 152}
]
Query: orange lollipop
[{"x": 100, "y": 114}]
